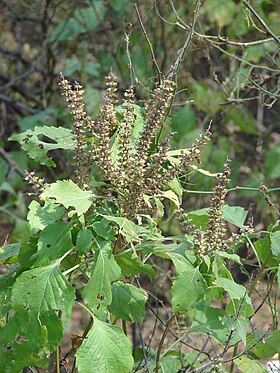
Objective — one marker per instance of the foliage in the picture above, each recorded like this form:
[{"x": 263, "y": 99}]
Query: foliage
[{"x": 123, "y": 241}]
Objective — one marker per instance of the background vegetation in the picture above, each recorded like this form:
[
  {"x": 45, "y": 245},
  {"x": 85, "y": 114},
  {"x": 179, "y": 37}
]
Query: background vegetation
[{"x": 228, "y": 74}]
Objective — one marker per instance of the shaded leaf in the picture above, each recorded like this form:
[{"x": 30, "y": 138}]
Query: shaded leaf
[
  {"x": 97, "y": 293},
  {"x": 84, "y": 240},
  {"x": 55, "y": 240},
  {"x": 187, "y": 289},
  {"x": 132, "y": 297}
]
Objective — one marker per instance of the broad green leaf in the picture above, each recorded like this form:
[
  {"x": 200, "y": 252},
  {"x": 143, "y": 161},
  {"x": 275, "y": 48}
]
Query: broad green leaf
[
  {"x": 199, "y": 218},
  {"x": 9, "y": 251},
  {"x": 131, "y": 266},
  {"x": 275, "y": 243},
  {"x": 240, "y": 325},
  {"x": 247, "y": 365},
  {"x": 169, "y": 194},
  {"x": 209, "y": 320},
  {"x": 226, "y": 255},
  {"x": 235, "y": 215},
  {"x": 268, "y": 346},
  {"x": 103, "y": 229},
  {"x": 106, "y": 349},
  {"x": 61, "y": 138},
  {"x": 235, "y": 290},
  {"x": 132, "y": 297},
  {"x": 243, "y": 119},
  {"x": 128, "y": 229},
  {"x": 220, "y": 12},
  {"x": 263, "y": 248},
  {"x": 137, "y": 128},
  {"x": 55, "y": 240},
  {"x": 84, "y": 240},
  {"x": 83, "y": 20},
  {"x": 187, "y": 289},
  {"x": 180, "y": 262},
  {"x": 40, "y": 217},
  {"x": 68, "y": 194},
  {"x": 42, "y": 289},
  {"x": 271, "y": 165},
  {"x": 97, "y": 293}
]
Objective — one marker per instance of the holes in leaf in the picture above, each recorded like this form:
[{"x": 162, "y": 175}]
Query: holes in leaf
[
  {"x": 46, "y": 139},
  {"x": 33, "y": 277},
  {"x": 28, "y": 293},
  {"x": 48, "y": 245},
  {"x": 26, "y": 307}
]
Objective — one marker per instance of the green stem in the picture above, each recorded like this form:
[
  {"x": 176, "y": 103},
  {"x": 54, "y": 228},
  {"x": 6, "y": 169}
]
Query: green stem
[{"x": 57, "y": 360}]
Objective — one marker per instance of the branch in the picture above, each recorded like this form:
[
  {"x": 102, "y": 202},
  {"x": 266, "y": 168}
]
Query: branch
[
  {"x": 159, "y": 74},
  {"x": 262, "y": 22},
  {"x": 174, "y": 68},
  {"x": 12, "y": 165}
]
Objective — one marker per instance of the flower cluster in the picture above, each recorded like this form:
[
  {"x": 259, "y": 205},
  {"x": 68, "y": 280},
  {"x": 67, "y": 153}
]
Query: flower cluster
[
  {"x": 139, "y": 164},
  {"x": 214, "y": 238}
]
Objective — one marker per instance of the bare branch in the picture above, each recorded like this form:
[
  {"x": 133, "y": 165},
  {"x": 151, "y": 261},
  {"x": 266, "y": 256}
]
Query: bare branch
[{"x": 159, "y": 73}]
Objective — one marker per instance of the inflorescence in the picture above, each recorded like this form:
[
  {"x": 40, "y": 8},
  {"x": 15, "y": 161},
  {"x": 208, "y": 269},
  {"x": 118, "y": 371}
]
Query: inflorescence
[{"x": 138, "y": 167}]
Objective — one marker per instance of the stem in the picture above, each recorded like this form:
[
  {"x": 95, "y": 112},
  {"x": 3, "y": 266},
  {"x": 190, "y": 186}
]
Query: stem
[
  {"x": 57, "y": 360},
  {"x": 162, "y": 341}
]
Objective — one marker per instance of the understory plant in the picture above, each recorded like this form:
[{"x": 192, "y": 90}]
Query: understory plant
[{"x": 98, "y": 242}]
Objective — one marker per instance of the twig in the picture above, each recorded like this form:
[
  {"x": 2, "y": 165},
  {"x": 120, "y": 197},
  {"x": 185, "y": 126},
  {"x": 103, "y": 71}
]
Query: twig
[
  {"x": 174, "y": 68},
  {"x": 162, "y": 341},
  {"x": 159, "y": 74},
  {"x": 262, "y": 22},
  {"x": 12, "y": 165}
]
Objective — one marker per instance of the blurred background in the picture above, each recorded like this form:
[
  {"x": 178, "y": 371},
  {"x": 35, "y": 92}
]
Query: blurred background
[{"x": 229, "y": 75}]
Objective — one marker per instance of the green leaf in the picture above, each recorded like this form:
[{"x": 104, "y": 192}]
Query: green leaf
[
  {"x": 132, "y": 297},
  {"x": 268, "y": 346},
  {"x": 131, "y": 266},
  {"x": 226, "y": 255},
  {"x": 83, "y": 20},
  {"x": 235, "y": 290},
  {"x": 97, "y": 293},
  {"x": 247, "y": 365},
  {"x": 137, "y": 128},
  {"x": 40, "y": 217},
  {"x": 187, "y": 289},
  {"x": 61, "y": 138},
  {"x": 199, "y": 218},
  {"x": 271, "y": 164},
  {"x": 278, "y": 276},
  {"x": 44, "y": 117},
  {"x": 42, "y": 289},
  {"x": 55, "y": 240},
  {"x": 243, "y": 119},
  {"x": 128, "y": 229},
  {"x": 275, "y": 243},
  {"x": 240, "y": 325},
  {"x": 235, "y": 215},
  {"x": 106, "y": 349},
  {"x": 263, "y": 248},
  {"x": 84, "y": 240},
  {"x": 68, "y": 194},
  {"x": 208, "y": 320},
  {"x": 220, "y": 12},
  {"x": 9, "y": 251}
]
